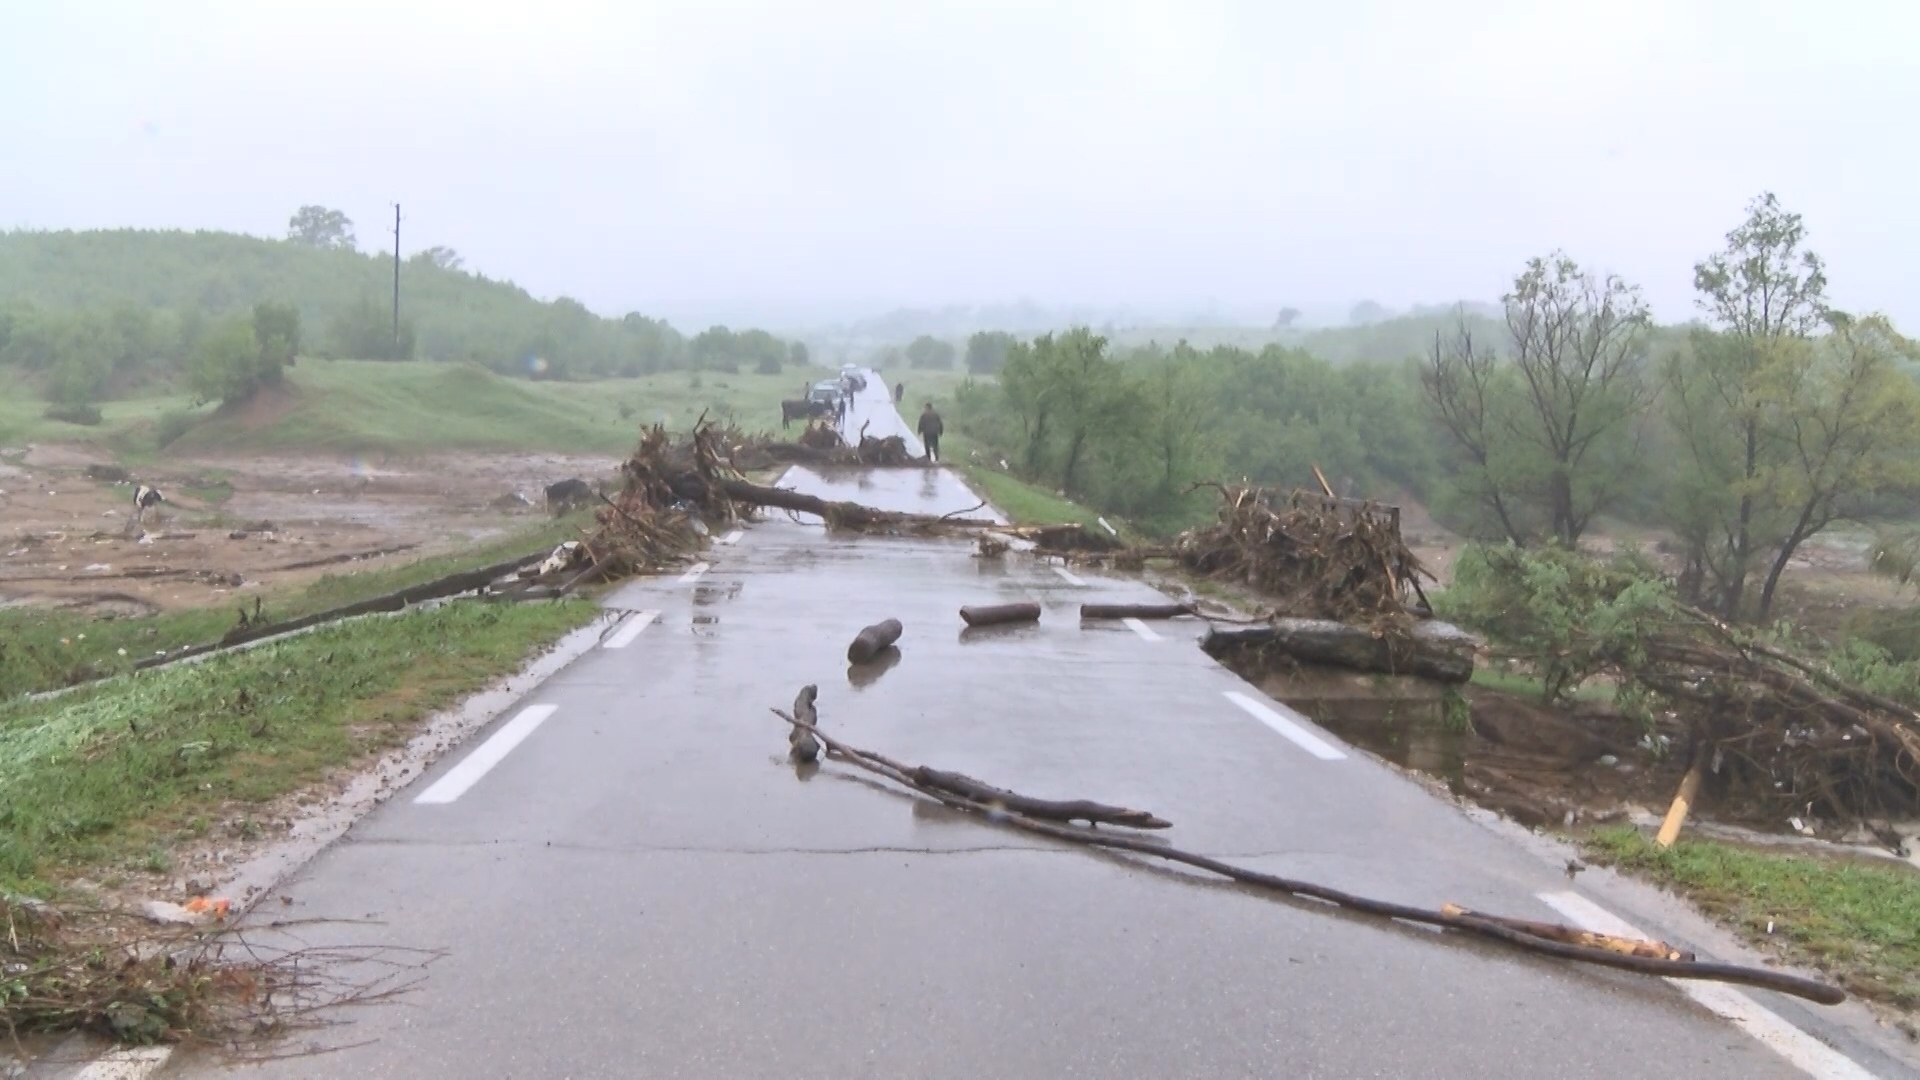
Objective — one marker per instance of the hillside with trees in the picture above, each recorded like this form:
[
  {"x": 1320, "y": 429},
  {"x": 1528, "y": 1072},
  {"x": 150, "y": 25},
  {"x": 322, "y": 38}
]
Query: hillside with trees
[{"x": 93, "y": 315}]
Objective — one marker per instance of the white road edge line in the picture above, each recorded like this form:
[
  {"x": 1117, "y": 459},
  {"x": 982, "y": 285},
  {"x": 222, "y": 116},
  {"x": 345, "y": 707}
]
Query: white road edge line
[
  {"x": 732, "y": 537},
  {"x": 1292, "y": 727},
  {"x": 1807, "y": 1053},
  {"x": 630, "y": 629},
  {"x": 1142, "y": 629},
  {"x": 1068, "y": 576},
  {"x": 693, "y": 573},
  {"x": 133, "y": 1064},
  {"x": 478, "y": 764}
]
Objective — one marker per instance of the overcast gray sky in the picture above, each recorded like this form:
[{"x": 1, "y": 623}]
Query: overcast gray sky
[{"x": 804, "y": 161}]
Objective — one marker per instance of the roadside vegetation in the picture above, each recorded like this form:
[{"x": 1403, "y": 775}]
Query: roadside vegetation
[
  {"x": 1857, "y": 920},
  {"x": 45, "y": 648},
  {"x": 106, "y": 779}
]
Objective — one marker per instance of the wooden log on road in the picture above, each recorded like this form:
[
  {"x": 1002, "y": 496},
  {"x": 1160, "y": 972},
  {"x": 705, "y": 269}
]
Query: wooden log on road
[
  {"x": 1431, "y": 650},
  {"x": 1067, "y": 810},
  {"x": 1134, "y": 611},
  {"x": 1000, "y": 614},
  {"x": 868, "y": 643},
  {"x": 801, "y": 745}
]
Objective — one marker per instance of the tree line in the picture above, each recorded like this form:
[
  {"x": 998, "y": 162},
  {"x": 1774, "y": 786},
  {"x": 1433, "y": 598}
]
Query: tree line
[
  {"x": 94, "y": 315},
  {"x": 1745, "y": 434}
]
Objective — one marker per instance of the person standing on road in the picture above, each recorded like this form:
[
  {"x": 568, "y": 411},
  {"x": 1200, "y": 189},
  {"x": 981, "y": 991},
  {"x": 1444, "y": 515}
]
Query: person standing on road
[
  {"x": 930, "y": 429},
  {"x": 899, "y": 392}
]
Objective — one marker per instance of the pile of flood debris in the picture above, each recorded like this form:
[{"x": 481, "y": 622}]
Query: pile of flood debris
[
  {"x": 139, "y": 978},
  {"x": 821, "y": 445},
  {"x": 1315, "y": 556}
]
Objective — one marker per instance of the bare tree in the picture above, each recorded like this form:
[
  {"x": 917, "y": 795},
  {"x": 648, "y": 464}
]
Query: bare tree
[
  {"x": 1580, "y": 347},
  {"x": 1460, "y": 378}
]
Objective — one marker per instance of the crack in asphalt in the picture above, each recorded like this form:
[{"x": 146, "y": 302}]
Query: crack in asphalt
[{"x": 877, "y": 849}]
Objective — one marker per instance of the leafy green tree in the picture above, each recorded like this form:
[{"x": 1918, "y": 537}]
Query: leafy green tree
[
  {"x": 317, "y": 226},
  {"x": 1287, "y": 317},
  {"x": 1765, "y": 296},
  {"x": 444, "y": 258},
  {"x": 797, "y": 355},
  {"x": 928, "y": 352},
  {"x": 227, "y": 366},
  {"x": 987, "y": 351},
  {"x": 1367, "y": 312}
]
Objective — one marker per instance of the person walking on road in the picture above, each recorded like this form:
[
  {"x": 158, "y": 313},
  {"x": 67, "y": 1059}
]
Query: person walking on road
[
  {"x": 899, "y": 392},
  {"x": 930, "y": 429}
]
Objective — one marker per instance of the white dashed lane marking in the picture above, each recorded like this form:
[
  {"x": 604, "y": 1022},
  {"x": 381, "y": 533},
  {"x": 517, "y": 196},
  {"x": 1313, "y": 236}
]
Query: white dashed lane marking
[
  {"x": 1142, "y": 629},
  {"x": 693, "y": 573},
  {"x": 1807, "y": 1053},
  {"x": 1068, "y": 576},
  {"x": 732, "y": 537},
  {"x": 134, "y": 1064},
  {"x": 1289, "y": 724},
  {"x": 630, "y": 629},
  {"x": 478, "y": 764}
]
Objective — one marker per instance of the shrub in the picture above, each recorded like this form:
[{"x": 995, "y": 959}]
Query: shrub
[
  {"x": 85, "y": 414},
  {"x": 768, "y": 365}
]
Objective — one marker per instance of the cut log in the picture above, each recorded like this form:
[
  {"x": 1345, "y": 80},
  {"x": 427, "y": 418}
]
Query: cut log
[
  {"x": 1682, "y": 803},
  {"x": 801, "y": 745},
  {"x": 1092, "y": 813},
  {"x": 1433, "y": 650},
  {"x": 999, "y": 614},
  {"x": 1134, "y": 611},
  {"x": 868, "y": 643}
]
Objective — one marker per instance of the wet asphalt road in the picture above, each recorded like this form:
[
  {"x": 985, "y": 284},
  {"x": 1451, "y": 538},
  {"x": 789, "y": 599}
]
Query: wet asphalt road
[{"x": 645, "y": 887}]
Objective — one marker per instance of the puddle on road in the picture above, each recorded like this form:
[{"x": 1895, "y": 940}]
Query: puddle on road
[{"x": 864, "y": 675}]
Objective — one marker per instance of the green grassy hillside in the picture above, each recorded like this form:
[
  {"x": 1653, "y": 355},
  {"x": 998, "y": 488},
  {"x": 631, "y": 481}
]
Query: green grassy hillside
[{"x": 362, "y": 405}]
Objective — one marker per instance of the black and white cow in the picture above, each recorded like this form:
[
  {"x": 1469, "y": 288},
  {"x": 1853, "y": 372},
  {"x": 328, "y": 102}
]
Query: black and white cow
[{"x": 145, "y": 497}]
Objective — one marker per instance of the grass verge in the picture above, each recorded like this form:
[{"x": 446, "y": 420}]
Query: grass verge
[
  {"x": 42, "y": 649},
  {"x": 106, "y": 778},
  {"x": 1857, "y": 921}
]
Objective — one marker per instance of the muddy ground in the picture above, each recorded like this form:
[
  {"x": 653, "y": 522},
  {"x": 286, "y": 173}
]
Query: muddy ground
[{"x": 236, "y": 525}]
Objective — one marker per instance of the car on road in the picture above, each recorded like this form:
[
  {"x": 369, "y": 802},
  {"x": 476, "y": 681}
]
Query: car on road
[{"x": 825, "y": 392}]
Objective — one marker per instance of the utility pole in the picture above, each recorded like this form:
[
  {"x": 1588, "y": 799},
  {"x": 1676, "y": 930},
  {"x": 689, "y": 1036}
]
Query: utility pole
[{"x": 396, "y": 281}]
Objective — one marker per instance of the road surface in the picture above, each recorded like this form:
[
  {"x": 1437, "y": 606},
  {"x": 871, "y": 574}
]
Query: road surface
[{"x": 629, "y": 880}]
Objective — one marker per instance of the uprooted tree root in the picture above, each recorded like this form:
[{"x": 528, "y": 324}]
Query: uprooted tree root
[
  {"x": 1546, "y": 939},
  {"x": 140, "y": 984}
]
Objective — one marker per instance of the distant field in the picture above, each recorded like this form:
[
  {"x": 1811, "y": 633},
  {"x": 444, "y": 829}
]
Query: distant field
[{"x": 417, "y": 406}]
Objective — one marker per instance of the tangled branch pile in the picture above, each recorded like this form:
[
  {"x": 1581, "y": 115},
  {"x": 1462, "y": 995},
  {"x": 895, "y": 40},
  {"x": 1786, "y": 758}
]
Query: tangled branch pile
[
  {"x": 1319, "y": 557},
  {"x": 1777, "y": 729},
  {"x": 135, "y": 983},
  {"x": 666, "y": 486}
]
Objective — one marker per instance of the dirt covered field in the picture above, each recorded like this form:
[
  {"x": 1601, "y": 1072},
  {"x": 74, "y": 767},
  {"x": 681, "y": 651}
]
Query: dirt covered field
[{"x": 233, "y": 525}]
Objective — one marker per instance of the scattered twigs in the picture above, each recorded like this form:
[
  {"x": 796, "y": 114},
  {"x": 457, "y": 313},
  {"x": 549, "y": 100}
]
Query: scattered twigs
[
  {"x": 109, "y": 973},
  {"x": 1502, "y": 931}
]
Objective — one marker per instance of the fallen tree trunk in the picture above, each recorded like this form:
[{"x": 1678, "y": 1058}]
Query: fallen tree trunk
[
  {"x": 1067, "y": 810},
  {"x": 1497, "y": 930},
  {"x": 1134, "y": 611},
  {"x": 1431, "y": 650},
  {"x": 836, "y": 514},
  {"x": 998, "y": 614},
  {"x": 451, "y": 585}
]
